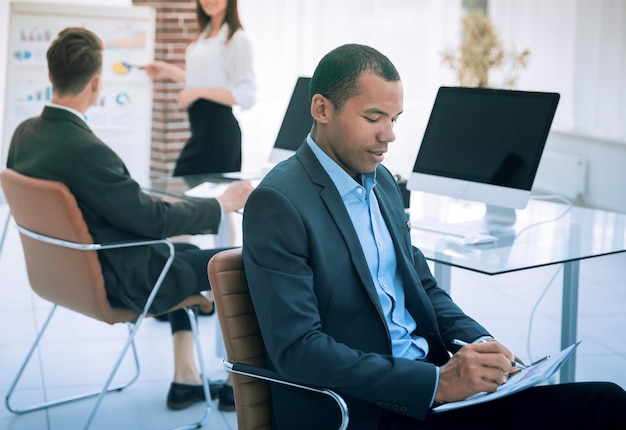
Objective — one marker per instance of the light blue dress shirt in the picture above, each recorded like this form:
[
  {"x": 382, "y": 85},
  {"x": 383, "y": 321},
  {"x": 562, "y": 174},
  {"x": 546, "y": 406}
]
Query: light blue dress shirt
[{"x": 377, "y": 245}]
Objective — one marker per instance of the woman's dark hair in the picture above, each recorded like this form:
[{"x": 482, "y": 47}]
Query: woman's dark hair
[
  {"x": 74, "y": 57},
  {"x": 231, "y": 17},
  {"x": 336, "y": 77}
]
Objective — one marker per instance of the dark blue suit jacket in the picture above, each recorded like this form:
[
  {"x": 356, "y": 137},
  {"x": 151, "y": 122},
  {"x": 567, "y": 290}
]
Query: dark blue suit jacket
[{"x": 317, "y": 304}]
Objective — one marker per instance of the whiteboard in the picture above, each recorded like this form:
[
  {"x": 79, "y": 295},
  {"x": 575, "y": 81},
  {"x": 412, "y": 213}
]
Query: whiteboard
[{"x": 122, "y": 116}]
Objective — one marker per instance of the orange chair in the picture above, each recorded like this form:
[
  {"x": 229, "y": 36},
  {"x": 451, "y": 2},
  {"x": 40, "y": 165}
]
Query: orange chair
[
  {"x": 245, "y": 348},
  {"x": 63, "y": 268}
]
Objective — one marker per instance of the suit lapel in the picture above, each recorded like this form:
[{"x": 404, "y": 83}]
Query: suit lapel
[{"x": 337, "y": 210}]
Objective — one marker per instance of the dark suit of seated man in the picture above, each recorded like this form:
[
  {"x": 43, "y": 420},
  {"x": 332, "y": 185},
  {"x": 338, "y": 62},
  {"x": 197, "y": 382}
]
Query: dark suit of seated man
[
  {"x": 59, "y": 145},
  {"x": 343, "y": 299}
]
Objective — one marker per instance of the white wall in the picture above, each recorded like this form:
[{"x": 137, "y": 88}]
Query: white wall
[
  {"x": 606, "y": 174},
  {"x": 290, "y": 37},
  {"x": 578, "y": 48}
]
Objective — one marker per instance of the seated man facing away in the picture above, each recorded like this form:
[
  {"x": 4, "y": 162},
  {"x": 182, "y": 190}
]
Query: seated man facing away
[
  {"x": 344, "y": 301},
  {"x": 59, "y": 145}
]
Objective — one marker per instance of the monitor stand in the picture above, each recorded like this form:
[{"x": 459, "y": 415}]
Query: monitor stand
[
  {"x": 498, "y": 218},
  {"x": 497, "y": 221}
]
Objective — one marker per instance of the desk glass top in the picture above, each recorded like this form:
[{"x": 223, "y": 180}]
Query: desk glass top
[
  {"x": 537, "y": 239},
  {"x": 541, "y": 236},
  {"x": 176, "y": 186}
]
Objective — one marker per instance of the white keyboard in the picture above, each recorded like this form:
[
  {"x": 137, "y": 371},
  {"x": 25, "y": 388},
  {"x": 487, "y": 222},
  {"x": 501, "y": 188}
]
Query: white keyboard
[{"x": 460, "y": 230}]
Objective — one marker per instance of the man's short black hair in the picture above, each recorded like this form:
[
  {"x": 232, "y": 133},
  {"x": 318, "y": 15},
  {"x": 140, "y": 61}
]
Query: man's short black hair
[{"x": 337, "y": 74}]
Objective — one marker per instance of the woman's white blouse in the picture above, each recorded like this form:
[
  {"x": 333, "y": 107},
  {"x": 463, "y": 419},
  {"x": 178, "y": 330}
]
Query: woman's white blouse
[{"x": 213, "y": 62}]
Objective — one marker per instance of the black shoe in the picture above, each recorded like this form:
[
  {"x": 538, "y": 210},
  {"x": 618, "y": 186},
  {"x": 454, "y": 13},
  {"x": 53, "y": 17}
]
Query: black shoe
[
  {"x": 227, "y": 399},
  {"x": 182, "y": 396}
]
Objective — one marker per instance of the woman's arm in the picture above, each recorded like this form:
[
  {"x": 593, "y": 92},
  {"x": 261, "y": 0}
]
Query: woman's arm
[{"x": 159, "y": 70}]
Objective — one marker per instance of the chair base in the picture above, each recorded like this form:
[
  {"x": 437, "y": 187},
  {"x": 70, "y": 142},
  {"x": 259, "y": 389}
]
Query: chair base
[
  {"x": 69, "y": 399},
  {"x": 107, "y": 388}
]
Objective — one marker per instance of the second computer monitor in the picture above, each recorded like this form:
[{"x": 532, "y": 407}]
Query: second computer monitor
[
  {"x": 484, "y": 144},
  {"x": 296, "y": 123}
]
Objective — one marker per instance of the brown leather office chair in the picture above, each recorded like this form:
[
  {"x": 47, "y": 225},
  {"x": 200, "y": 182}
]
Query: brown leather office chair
[
  {"x": 63, "y": 268},
  {"x": 244, "y": 345}
]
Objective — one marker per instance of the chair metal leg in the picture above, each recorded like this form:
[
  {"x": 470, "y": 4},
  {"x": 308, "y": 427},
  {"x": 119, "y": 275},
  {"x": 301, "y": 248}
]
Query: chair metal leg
[
  {"x": 193, "y": 319},
  {"x": 131, "y": 337},
  {"x": 130, "y": 341},
  {"x": 4, "y": 231},
  {"x": 45, "y": 405}
]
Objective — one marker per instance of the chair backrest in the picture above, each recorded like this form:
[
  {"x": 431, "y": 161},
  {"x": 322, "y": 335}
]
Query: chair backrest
[
  {"x": 70, "y": 278},
  {"x": 242, "y": 337}
]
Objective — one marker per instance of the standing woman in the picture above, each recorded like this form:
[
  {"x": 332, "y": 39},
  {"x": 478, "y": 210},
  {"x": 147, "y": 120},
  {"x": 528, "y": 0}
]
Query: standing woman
[{"x": 218, "y": 75}]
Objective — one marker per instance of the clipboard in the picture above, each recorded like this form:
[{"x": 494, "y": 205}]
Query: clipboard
[{"x": 526, "y": 378}]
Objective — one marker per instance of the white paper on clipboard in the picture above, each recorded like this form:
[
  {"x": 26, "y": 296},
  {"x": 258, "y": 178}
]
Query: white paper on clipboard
[
  {"x": 207, "y": 190},
  {"x": 529, "y": 377}
]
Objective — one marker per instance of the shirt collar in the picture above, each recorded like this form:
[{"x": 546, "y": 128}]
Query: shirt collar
[
  {"x": 344, "y": 182},
  {"x": 69, "y": 109}
]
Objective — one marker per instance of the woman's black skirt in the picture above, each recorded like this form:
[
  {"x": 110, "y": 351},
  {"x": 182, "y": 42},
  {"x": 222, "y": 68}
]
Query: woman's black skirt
[{"x": 215, "y": 142}]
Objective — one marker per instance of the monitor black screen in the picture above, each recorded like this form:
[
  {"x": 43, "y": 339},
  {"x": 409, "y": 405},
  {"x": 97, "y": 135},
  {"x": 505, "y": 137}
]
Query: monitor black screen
[
  {"x": 484, "y": 135},
  {"x": 297, "y": 121}
]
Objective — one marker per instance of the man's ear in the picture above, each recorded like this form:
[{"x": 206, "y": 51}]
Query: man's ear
[
  {"x": 94, "y": 83},
  {"x": 321, "y": 109}
]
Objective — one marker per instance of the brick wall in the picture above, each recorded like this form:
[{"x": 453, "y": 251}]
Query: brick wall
[{"x": 175, "y": 28}]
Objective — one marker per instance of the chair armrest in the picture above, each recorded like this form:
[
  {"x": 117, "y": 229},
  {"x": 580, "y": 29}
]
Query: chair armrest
[
  {"x": 92, "y": 246},
  {"x": 273, "y": 376},
  {"x": 100, "y": 246}
]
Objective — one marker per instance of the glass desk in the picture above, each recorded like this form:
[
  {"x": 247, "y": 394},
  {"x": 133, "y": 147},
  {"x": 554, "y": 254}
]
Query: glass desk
[
  {"x": 537, "y": 239},
  {"x": 174, "y": 188}
]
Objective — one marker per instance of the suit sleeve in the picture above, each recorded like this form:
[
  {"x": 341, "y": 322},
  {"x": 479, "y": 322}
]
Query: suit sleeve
[{"x": 102, "y": 181}]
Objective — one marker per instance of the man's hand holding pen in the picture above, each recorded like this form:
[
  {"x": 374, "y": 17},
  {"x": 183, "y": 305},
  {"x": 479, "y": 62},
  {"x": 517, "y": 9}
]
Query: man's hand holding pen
[{"x": 475, "y": 368}]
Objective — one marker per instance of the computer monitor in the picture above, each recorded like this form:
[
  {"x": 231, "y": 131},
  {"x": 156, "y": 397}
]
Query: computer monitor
[
  {"x": 484, "y": 145},
  {"x": 296, "y": 124}
]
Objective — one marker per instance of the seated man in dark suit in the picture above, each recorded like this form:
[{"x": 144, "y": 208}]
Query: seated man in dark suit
[
  {"x": 59, "y": 145},
  {"x": 344, "y": 301}
]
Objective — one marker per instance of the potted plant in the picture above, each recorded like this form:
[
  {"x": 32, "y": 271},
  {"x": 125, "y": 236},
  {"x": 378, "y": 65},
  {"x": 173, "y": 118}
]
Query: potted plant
[{"x": 481, "y": 53}]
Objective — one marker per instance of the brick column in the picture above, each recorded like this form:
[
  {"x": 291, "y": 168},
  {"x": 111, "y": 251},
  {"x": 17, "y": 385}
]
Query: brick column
[{"x": 175, "y": 28}]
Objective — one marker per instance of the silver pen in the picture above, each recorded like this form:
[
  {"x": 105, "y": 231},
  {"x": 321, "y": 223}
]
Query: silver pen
[{"x": 541, "y": 360}]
